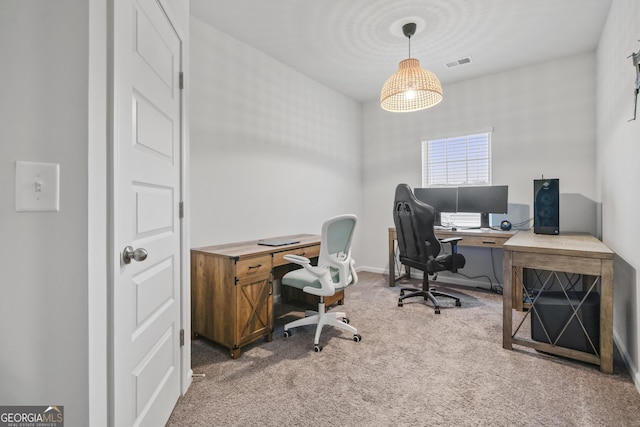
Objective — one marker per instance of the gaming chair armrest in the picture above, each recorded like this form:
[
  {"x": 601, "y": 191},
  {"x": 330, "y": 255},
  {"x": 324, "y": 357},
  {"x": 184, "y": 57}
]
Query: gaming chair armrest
[{"x": 451, "y": 239}]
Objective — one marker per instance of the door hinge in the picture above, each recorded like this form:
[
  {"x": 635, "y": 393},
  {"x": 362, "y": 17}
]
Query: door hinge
[
  {"x": 181, "y": 337},
  {"x": 181, "y": 210},
  {"x": 181, "y": 80}
]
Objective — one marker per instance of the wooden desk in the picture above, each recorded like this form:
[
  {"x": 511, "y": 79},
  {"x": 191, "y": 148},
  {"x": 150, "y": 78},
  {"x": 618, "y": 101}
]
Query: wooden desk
[
  {"x": 470, "y": 237},
  {"x": 232, "y": 288},
  {"x": 571, "y": 253}
]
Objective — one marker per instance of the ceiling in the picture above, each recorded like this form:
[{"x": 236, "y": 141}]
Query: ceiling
[{"x": 353, "y": 46}]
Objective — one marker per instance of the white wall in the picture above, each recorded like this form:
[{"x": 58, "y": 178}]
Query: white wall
[
  {"x": 543, "y": 121},
  {"x": 272, "y": 151},
  {"x": 43, "y": 256},
  {"x": 618, "y": 151}
]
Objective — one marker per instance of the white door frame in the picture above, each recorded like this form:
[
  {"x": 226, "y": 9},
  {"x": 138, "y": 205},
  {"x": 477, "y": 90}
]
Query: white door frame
[{"x": 100, "y": 241}]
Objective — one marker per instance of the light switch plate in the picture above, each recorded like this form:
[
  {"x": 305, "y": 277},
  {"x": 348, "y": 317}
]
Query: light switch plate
[{"x": 37, "y": 187}]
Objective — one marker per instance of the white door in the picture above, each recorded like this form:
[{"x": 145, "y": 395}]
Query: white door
[{"x": 145, "y": 306}]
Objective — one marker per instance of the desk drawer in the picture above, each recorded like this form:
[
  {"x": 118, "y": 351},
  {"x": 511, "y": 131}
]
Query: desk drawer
[
  {"x": 485, "y": 241},
  {"x": 307, "y": 252},
  {"x": 252, "y": 267}
]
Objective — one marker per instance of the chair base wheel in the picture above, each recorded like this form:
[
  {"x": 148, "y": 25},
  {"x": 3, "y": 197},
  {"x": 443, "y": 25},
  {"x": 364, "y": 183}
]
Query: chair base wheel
[
  {"x": 317, "y": 348},
  {"x": 399, "y": 303},
  {"x": 458, "y": 303},
  {"x": 287, "y": 334},
  {"x": 437, "y": 310},
  {"x": 357, "y": 338}
]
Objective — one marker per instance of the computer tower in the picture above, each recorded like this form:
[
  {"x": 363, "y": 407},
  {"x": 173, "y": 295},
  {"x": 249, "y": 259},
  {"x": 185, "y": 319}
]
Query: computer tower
[
  {"x": 546, "y": 206},
  {"x": 552, "y": 310}
]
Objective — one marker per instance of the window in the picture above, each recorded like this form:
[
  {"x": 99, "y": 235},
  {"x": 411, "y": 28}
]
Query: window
[{"x": 457, "y": 161}]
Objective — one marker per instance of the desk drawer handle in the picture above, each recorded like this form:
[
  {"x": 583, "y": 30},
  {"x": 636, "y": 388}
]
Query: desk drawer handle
[
  {"x": 488, "y": 242},
  {"x": 255, "y": 266}
]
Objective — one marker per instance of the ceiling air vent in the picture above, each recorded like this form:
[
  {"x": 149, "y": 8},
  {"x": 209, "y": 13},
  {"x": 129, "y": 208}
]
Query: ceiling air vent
[{"x": 461, "y": 61}]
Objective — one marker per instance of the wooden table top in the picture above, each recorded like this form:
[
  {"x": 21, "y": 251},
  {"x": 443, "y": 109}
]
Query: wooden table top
[
  {"x": 568, "y": 243},
  {"x": 251, "y": 247},
  {"x": 480, "y": 232}
]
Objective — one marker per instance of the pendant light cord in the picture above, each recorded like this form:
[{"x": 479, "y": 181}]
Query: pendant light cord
[{"x": 409, "y": 30}]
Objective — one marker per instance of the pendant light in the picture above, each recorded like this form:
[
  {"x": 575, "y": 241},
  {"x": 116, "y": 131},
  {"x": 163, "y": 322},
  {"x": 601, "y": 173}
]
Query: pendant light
[{"x": 412, "y": 88}]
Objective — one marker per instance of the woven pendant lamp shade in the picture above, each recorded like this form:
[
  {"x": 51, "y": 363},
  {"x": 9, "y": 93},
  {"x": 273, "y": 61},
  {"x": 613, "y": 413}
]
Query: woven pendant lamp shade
[{"x": 410, "y": 89}]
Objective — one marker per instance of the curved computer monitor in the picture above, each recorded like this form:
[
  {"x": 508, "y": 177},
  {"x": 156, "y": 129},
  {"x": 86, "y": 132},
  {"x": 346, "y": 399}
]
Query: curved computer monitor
[
  {"x": 442, "y": 199},
  {"x": 485, "y": 200}
]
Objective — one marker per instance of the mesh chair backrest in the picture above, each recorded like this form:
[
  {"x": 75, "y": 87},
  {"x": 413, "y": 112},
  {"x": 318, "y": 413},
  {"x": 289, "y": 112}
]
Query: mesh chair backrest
[
  {"x": 335, "y": 245},
  {"x": 414, "y": 226}
]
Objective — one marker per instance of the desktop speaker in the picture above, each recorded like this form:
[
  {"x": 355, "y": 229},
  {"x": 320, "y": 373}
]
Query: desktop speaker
[
  {"x": 546, "y": 206},
  {"x": 553, "y": 310}
]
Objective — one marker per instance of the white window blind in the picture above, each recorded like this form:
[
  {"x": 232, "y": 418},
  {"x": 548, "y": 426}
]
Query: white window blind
[{"x": 457, "y": 161}]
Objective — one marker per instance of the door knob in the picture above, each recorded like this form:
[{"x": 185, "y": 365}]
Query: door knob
[{"x": 129, "y": 254}]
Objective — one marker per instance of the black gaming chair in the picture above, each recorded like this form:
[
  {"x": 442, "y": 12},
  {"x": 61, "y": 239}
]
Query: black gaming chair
[{"x": 419, "y": 247}]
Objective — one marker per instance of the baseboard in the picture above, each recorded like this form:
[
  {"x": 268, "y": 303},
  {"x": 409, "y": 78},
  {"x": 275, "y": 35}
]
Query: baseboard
[
  {"x": 189, "y": 381},
  {"x": 372, "y": 270},
  {"x": 631, "y": 367}
]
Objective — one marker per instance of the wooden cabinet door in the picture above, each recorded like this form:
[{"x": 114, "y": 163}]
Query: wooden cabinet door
[{"x": 253, "y": 309}]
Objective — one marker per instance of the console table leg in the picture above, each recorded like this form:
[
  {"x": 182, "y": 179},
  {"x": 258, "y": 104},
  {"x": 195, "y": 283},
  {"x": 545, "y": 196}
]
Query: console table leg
[
  {"x": 392, "y": 258},
  {"x": 507, "y": 301},
  {"x": 606, "y": 317}
]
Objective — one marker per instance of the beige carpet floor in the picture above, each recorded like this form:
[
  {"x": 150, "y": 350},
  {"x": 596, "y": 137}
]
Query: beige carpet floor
[{"x": 412, "y": 368}]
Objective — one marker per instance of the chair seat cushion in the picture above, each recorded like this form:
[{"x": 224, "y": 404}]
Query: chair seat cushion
[
  {"x": 301, "y": 278},
  {"x": 448, "y": 261},
  {"x": 441, "y": 263}
]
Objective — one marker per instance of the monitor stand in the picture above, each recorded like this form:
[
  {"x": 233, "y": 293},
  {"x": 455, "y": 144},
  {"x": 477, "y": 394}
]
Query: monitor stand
[
  {"x": 484, "y": 221},
  {"x": 437, "y": 220}
]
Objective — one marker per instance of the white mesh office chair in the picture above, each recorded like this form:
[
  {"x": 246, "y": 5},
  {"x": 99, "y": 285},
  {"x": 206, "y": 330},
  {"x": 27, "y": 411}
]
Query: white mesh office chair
[{"x": 335, "y": 271}]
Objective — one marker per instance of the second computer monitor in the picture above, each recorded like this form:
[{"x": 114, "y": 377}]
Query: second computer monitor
[
  {"x": 442, "y": 199},
  {"x": 485, "y": 200}
]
